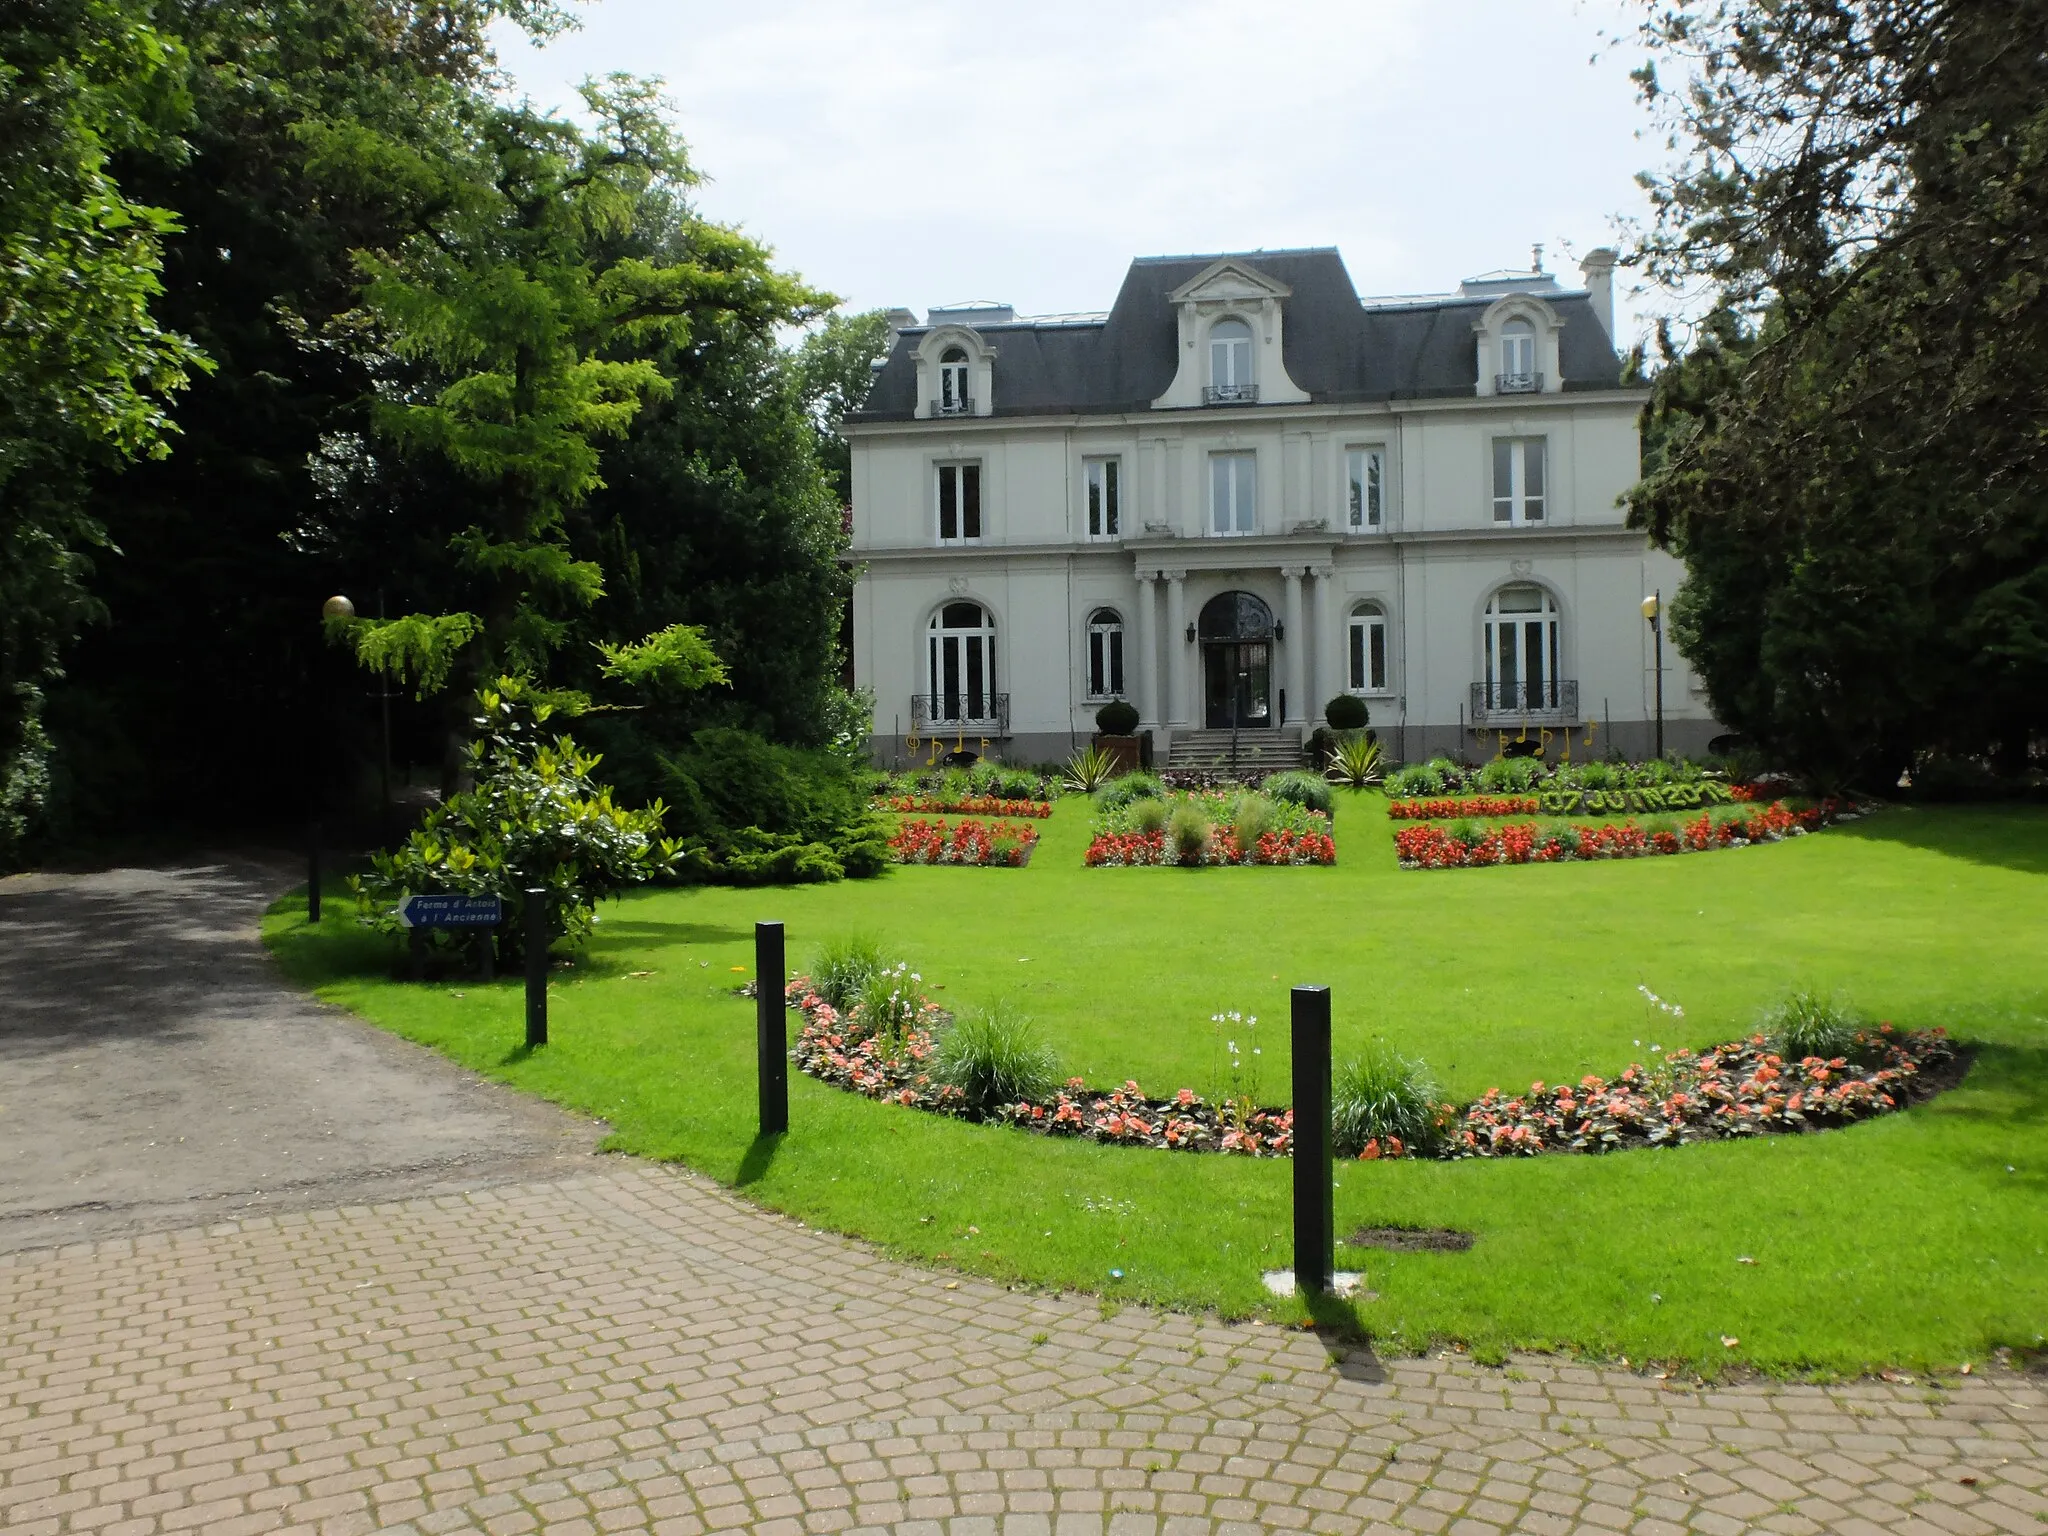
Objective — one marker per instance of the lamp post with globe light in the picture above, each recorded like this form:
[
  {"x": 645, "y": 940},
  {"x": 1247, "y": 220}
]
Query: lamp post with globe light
[
  {"x": 339, "y": 607},
  {"x": 1653, "y": 611}
]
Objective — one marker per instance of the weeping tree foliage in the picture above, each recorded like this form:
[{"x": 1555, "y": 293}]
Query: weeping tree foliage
[
  {"x": 1848, "y": 452},
  {"x": 86, "y": 370},
  {"x": 521, "y": 331}
]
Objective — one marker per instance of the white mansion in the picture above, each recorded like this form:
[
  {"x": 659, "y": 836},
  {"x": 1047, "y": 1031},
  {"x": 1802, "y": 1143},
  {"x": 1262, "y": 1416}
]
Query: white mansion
[{"x": 1244, "y": 490}]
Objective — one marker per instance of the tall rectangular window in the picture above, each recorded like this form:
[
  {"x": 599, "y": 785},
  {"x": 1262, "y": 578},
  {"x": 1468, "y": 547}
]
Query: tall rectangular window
[
  {"x": 1105, "y": 513},
  {"x": 1368, "y": 649},
  {"x": 1366, "y": 495},
  {"x": 959, "y": 503},
  {"x": 1518, "y": 480},
  {"x": 1233, "y": 493}
]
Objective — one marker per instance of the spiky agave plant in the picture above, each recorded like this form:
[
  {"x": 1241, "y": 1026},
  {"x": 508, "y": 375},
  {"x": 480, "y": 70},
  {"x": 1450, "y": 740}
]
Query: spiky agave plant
[
  {"x": 1356, "y": 762},
  {"x": 1089, "y": 769}
]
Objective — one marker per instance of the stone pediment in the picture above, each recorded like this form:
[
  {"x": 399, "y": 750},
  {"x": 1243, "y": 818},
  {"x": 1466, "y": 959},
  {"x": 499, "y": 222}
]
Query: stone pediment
[{"x": 1228, "y": 281}]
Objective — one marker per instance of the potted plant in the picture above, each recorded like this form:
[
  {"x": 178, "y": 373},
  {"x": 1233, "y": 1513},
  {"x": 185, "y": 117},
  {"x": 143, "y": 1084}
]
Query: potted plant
[{"x": 1116, "y": 733}]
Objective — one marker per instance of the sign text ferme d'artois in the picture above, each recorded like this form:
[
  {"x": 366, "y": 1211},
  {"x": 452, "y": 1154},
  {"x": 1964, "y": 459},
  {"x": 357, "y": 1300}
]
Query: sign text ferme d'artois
[{"x": 451, "y": 911}]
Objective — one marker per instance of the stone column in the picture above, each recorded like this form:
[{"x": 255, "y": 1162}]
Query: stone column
[
  {"x": 1326, "y": 661},
  {"x": 1147, "y": 653},
  {"x": 1176, "y": 710},
  {"x": 1297, "y": 643}
]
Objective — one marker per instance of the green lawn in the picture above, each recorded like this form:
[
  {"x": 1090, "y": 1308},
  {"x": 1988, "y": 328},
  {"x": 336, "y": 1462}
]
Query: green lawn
[{"x": 1918, "y": 1239}]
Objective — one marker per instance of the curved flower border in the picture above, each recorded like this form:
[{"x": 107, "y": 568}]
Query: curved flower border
[{"x": 1739, "y": 1089}]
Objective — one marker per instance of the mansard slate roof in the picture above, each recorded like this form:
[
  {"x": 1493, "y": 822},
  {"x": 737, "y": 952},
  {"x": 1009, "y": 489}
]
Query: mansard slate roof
[{"x": 1336, "y": 348}]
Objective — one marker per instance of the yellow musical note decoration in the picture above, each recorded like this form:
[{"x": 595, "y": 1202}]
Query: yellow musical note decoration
[
  {"x": 1590, "y": 727},
  {"x": 1543, "y": 742},
  {"x": 929, "y": 761},
  {"x": 1501, "y": 748},
  {"x": 1525, "y": 732}
]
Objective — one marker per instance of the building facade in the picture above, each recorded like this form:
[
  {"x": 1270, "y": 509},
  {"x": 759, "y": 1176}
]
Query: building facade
[{"x": 1242, "y": 491}]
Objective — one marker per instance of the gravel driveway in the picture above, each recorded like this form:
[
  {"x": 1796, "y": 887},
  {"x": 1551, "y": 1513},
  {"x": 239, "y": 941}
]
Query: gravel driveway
[{"x": 156, "y": 1071}]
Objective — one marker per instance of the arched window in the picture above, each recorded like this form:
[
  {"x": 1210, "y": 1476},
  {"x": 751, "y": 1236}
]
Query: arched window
[
  {"x": 1230, "y": 362},
  {"x": 1368, "y": 649},
  {"x": 953, "y": 399},
  {"x": 1105, "y": 654},
  {"x": 961, "y": 665},
  {"x": 1517, "y": 359},
  {"x": 1521, "y": 650}
]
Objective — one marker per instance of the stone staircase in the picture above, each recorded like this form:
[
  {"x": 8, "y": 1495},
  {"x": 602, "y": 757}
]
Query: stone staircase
[{"x": 1257, "y": 751}]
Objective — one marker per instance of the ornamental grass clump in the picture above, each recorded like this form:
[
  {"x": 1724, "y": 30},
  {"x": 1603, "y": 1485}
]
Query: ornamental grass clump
[
  {"x": 887, "y": 1008},
  {"x": 843, "y": 968},
  {"x": 1254, "y": 818},
  {"x": 1149, "y": 817},
  {"x": 1132, "y": 786},
  {"x": 1299, "y": 787},
  {"x": 1188, "y": 830},
  {"x": 995, "y": 1058},
  {"x": 1383, "y": 1104},
  {"x": 1808, "y": 1024}
]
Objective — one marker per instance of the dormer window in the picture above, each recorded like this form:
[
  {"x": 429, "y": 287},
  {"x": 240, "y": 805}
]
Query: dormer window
[
  {"x": 1518, "y": 375},
  {"x": 953, "y": 400},
  {"x": 1230, "y": 364}
]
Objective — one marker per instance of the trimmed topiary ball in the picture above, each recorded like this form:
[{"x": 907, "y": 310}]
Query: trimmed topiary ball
[
  {"x": 1119, "y": 717},
  {"x": 1346, "y": 712}
]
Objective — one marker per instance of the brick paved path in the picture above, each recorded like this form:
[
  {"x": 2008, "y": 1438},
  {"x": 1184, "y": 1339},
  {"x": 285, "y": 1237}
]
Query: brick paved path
[{"x": 631, "y": 1348}]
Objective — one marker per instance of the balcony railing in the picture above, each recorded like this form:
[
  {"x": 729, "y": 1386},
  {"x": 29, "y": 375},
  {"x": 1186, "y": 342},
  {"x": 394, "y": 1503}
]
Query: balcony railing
[
  {"x": 967, "y": 713},
  {"x": 1553, "y": 701},
  {"x": 1518, "y": 383},
  {"x": 959, "y": 405},
  {"x": 1230, "y": 394}
]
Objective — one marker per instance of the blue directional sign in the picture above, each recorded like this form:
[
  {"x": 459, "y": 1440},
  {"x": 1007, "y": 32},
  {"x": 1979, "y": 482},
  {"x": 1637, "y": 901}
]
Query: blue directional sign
[{"x": 446, "y": 911}]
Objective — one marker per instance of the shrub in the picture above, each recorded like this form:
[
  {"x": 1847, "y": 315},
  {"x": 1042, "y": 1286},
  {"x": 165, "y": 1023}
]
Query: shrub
[
  {"x": 1510, "y": 775},
  {"x": 1465, "y": 830},
  {"x": 885, "y": 1008},
  {"x": 1118, "y": 717},
  {"x": 1132, "y": 786},
  {"x": 1016, "y": 784},
  {"x": 1252, "y": 821},
  {"x": 843, "y": 967},
  {"x": 1089, "y": 769},
  {"x": 1416, "y": 779},
  {"x": 1356, "y": 762},
  {"x": 1301, "y": 788},
  {"x": 1346, "y": 712},
  {"x": 1658, "y": 770},
  {"x": 1562, "y": 833},
  {"x": 1596, "y": 776},
  {"x": 1808, "y": 1024},
  {"x": 1148, "y": 816},
  {"x": 995, "y": 1058},
  {"x": 1381, "y": 1095},
  {"x": 534, "y": 818},
  {"x": 1188, "y": 830},
  {"x": 760, "y": 812}
]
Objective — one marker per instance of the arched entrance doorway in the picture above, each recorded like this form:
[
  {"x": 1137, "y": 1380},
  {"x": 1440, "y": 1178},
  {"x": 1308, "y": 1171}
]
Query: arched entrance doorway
[{"x": 1236, "y": 631}]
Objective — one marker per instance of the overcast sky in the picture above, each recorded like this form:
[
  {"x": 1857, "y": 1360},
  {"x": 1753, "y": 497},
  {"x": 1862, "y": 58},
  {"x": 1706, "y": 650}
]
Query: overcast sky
[{"x": 915, "y": 153}]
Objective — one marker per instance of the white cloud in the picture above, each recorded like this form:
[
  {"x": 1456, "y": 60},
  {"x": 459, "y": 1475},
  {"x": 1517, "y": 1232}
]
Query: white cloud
[{"x": 907, "y": 152}]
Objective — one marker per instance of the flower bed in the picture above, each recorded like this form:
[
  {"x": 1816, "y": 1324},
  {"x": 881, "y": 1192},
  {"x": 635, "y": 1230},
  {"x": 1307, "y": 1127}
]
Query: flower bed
[
  {"x": 1738, "y": 1089},
  {"x": 895, "y": 1068},
  {"x": 1287, "y": 833},
  {"x": 1465, "y": 805},
  {"x": 971, "y": 842},
  {"x": 963, "y": 805},
  {"x": 1432, "y": 847}
]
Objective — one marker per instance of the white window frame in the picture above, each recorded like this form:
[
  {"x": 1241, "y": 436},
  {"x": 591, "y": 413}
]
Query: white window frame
[
  {"x": 1545, "y": 620},
  {"x": 961, "y": 648},
  {"x": 953, "y": 398},
  {"x": 1368, "y": 667},
  {"x": 1518, "y": 348},
  {"x": 1102, "y": 482},
  {"x": 1229, "y": 350},
  {"x": 964, "y": 473},
  {"x": 1102, "y": 658},
  {"x": 1235, "y": 512},
  {"x": 1513, "y": 504},
  {"x": 1365, "y": 488}
]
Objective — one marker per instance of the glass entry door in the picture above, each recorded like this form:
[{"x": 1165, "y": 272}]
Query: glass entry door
[{"x": 1238, "y": 681}]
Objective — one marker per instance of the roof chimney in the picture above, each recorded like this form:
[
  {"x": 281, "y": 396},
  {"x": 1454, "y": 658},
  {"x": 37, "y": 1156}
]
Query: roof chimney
[
  {"x": 899, "y": 321},
  {"x": 1598, "y": 271}
]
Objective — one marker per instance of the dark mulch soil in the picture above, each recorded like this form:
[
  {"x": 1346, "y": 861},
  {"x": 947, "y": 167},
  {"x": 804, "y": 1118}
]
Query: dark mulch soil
[{"x": 1412, "y": 1239}]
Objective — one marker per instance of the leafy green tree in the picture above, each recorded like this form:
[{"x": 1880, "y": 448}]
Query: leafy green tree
[
  {"x": 836, "y": 366},
  {"x": 86, "y": 369},
  {"x": 1848, "y": 456}
]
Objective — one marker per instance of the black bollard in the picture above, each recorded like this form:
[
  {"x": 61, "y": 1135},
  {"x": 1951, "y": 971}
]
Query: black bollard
[
  {"x": 771, "y": 1034},
  {"x": 313, "y": 873},
  {"x": 1315, "y": 1245},
  {"x": 537, "y": 938}
]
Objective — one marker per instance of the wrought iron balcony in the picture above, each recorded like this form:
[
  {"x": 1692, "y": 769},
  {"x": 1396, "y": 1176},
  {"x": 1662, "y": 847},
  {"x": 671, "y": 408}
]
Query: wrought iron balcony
[
  {"x": 968, "y": 712},
  {"x": 1518, "y": 383},
  {"x": 1230, "y": 394},
  {"x": 959, "y": 405},
  {"x": 1552, "y": 701}
]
